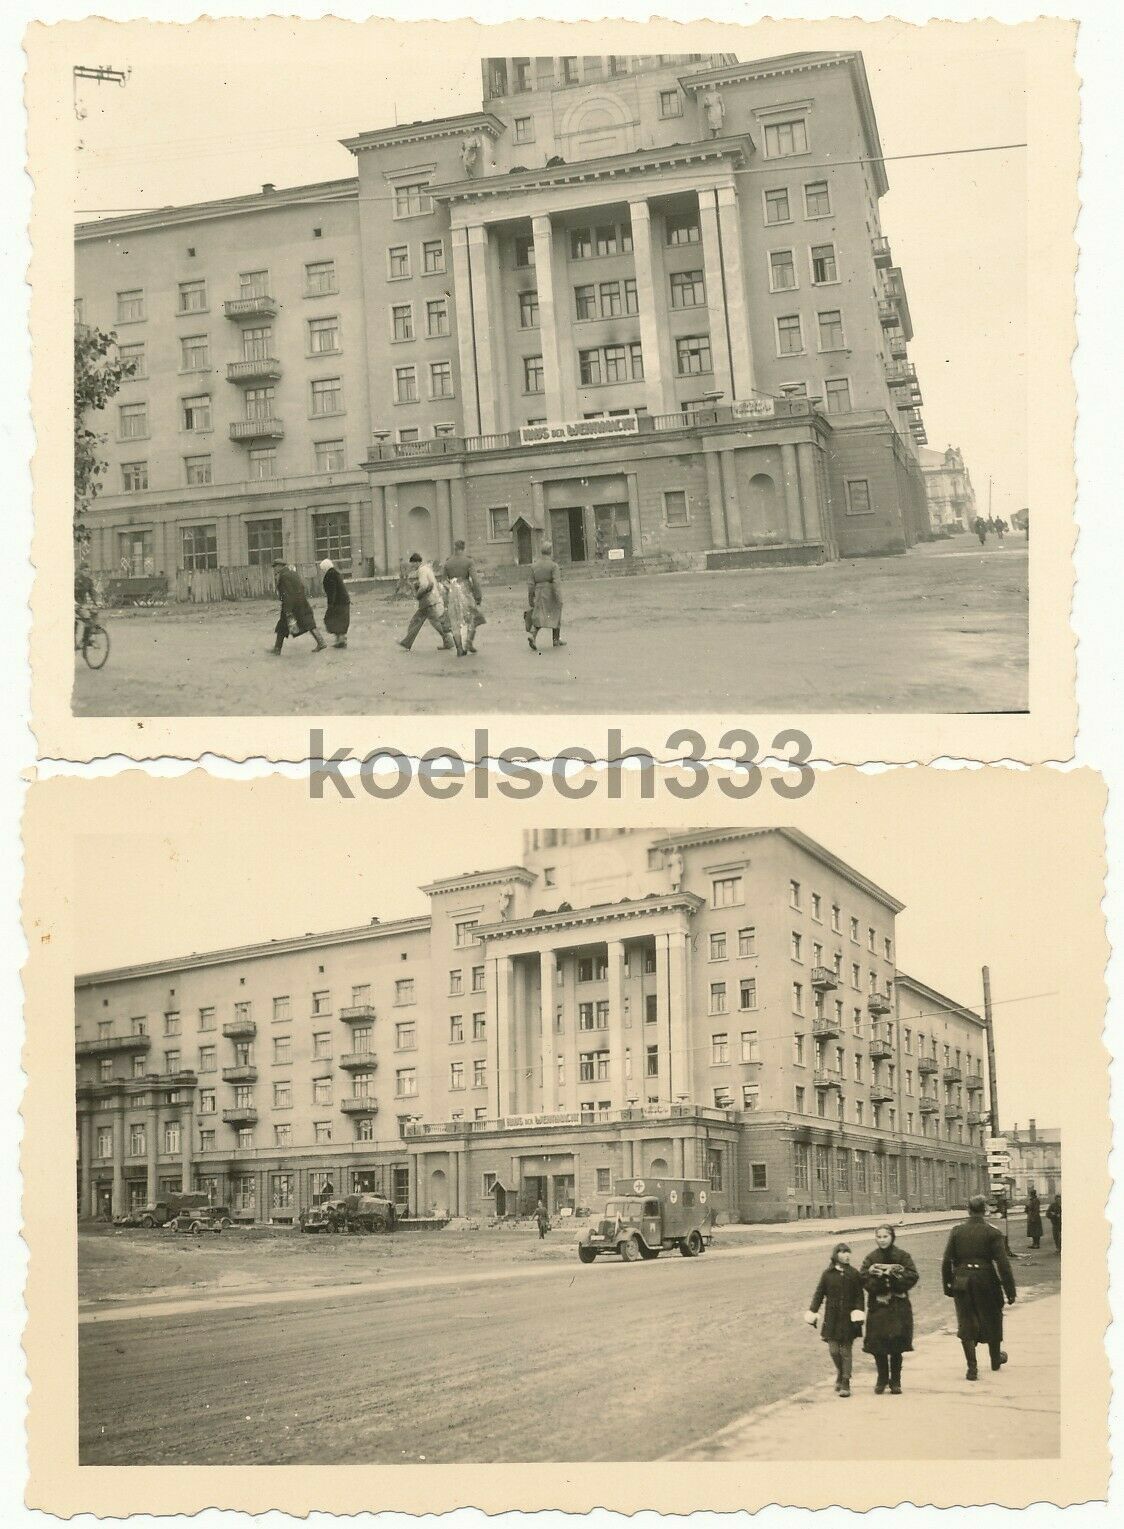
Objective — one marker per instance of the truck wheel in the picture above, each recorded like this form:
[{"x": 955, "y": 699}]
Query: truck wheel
[
  {"x": 691, "y": 1246},
  {"x": 630, "y": 1250},
  {"x": 148, "y": 1222},
  {"x": 648, "y": 1253},
  {"x": 586, "y": 1255},
  {"x": 197, "y": 1229}
]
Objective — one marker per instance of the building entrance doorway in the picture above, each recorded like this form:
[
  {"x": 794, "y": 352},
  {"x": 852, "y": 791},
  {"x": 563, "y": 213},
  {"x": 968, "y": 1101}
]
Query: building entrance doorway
[
  {"x": 953, "y": 1191},
  {"x": 103, "y": 1203},
  {"x": 521, "y": 536},
  {"x": 567, "y": 528},
  {"x": 613, "y": 529},
  {"x": 532, "y": 1190},
  {"x": 401, "y": 1190},
  {"x": 438, "y": 1193},
  {"x": 561, "y": 1193}
]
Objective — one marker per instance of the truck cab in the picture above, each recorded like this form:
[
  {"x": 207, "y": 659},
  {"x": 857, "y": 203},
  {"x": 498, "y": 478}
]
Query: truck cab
[{"x": 645, "y": 1217}]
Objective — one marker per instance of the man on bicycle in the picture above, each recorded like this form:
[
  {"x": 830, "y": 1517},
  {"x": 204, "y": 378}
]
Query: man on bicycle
[{"x": 85, "y": 598}]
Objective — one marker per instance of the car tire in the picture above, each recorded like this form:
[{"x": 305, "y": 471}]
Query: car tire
[
  {"x": 226, "y": 1223},
  {"x": 691, "y": 1246},
  {"x": 630, "y": 1250},
  {"x": 148, "y": 1222},
  {"x": 197, "y": 1229},
  {"x": 586, "y": 1255}
]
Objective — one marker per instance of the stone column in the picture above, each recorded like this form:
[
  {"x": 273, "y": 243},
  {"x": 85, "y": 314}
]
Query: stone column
[
  {"x": 550, "y": 297},
  {"x": 731, "y": 504},
  {"x": 152, "y": 1149},
  {"x": 480, "y": 261},
  {"x": 462, "y": 1181},
  {"x": 655, "y": 338},
  {"x": 500, "y": 1049},
  {"x": 741, "y": 343},
  {"x": 634, "y": 514},
  {"x": 412, "y": 1166},
  {"x": 794, "y": 520},
  {"x": 454, "y": 1183},
  {"x": 716, "y": 499},
  {"x": 615, "y": 952},
  {"x": 809, "y": 493},
  {"x": 680, "y": 1020},
  {"x": 378, "y": 525},
  {"x": 391, "y": 536},
  {"x": 444, "y": 518},
  {"x": 458, "y": 509},
  {"x": 678, "y": 1158},
  {"x": 85, "y": 1149},
  {"x": 715, "y": 304},
  {"x": 118, "y": 1201},
  {"x": 663, "y": 1025},
  {"x": 546, "y": 1012},
  {"x": 627, "y": 1170},
  {"x": 462, "y": 288},
  {"x": 187, "y": 1146},
  {"x": 521, "y": 1053}
]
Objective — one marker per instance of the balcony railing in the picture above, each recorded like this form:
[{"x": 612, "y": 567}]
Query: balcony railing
[
  {"x": 240, "y": 1030},
  {"x": 880, "y": 249},
  {"x": 899, "y": 348},
  {"x": 878, "y": 1003},
  {"x": 566, "y": 1120},
  {"x": 927, "y": 1065},
  {"x": 975, "y": 1117},
  {"x": 887, "y": 313},
  {"x": 356, "y": 1013},
  {"x": 826, "y": 1028},
  {"x": 824, "y": 979},
  {"x": 951, "y": 1074},
  {"x": 359, "y": 1061},
  {"x": 245, "y": 1072},
  {"x": 361, "y": 1106},
  {"x": 241, "y": 1115},
  {"x": 113, "y": 1045},
  {"x": 256, "y": 430},
  {"x": 953, "y": 1112},
  {"x": 973, "y": 1082},
  {"x": 823, "y": 1078},
  {"x": 881, "y": 1093},
  {"x": 254, "y": 369},
  {"x": 259, "y": 305},
  {"x": 928, "y": 1106},
  {"x": 901, "y": 371},
  {"x": 880, "y": 1049}
]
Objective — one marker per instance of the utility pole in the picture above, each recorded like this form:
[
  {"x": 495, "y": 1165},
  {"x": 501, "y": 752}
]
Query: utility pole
[
  {"x": 993, "y": 1085},
  {"x": 101, "y": 74}
]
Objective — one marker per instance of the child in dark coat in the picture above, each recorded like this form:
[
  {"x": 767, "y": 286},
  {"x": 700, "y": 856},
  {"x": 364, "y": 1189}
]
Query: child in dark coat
[{"x": 840, "y": 1293}]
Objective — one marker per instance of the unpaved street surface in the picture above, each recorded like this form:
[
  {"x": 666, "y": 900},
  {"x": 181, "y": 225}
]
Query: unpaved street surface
[
  {"x": 942, "y": 629},
  {"x": 472, "y": 1347}
]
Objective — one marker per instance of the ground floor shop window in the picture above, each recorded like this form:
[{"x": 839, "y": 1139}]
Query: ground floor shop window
[
  {"x": 281, "y": 1192},
  {"x": 333, "y": 537},
  {"x": 245, "y": 1192},
  {"x": 135, "y": 553},
  {"x": 714, "y": 1167},
  {"x": 200, "y": 548},
  {"x": 264, "y": 542}
]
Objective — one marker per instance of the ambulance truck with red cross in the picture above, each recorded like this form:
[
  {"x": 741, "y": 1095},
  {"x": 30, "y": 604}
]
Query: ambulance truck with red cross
[{"x": 645, "y": 1217}]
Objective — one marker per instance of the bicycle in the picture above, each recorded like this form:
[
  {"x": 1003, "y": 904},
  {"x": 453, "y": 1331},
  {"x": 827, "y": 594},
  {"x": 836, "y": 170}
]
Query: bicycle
[{"x": 91, "y": 639}]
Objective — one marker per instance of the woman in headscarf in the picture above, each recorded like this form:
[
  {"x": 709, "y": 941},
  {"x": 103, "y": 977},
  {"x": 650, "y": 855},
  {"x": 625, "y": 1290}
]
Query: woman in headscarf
[
  {"x": 889, "y": 1274},
  {"x": 337, "y": 617},
  {"x": 544, "y": 598},
  {"x": 296, "y": 615},
  {"x": 840, "y": 1293}
]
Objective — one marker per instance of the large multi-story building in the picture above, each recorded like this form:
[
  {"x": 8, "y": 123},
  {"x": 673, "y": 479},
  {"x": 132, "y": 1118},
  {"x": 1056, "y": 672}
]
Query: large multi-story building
[
  {"x": 640, "y": 307},
  {"x": 948, "y": 488},
  {"x": 718, "y": 1003},
  {"x": 1034, "y": 1160}
]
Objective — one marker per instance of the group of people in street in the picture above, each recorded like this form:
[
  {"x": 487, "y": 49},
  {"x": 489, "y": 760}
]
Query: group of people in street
[
  {"x": 1034, "y": 1219},
  {"x": 994, "y": 525},
  {"x": 873, "y": 1301},
  {"x": 447, "y": 596}
]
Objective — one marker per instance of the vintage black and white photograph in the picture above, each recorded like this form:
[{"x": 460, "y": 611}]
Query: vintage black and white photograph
[
  {"x": 566, "y": 384},
  {"x": 731, "y": 1142}
]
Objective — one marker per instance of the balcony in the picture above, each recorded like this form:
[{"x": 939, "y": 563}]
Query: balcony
[
  {"x": 976, "y": 1117},
  {"x": 256, "y": 430},
  {"x": 881, "y": 1093},
  {"x": 973, "y": 1082},
  {"x": 358, "y": 1014},
  {"x": 362, "y": 1106},
  {"x": 928, "y": 1106},
  {"x": 880, "y": 1050},
  {"x": 878, "y": 1003},
  {"x": 824, "y": 1028},
  {"x": 114, "y": 1045},
  {"x": 259, "y": 306},
  {"x": 887, "y": 314},
  {"x": 893, "y": 286},
  {"x": 246, "y": 1072},
  {"x": 240, "y": 1030},
  {"x": 254, "y": 369},
  {"x": 951, "y": 1074},
  {"x": 823, "y": 1078},
  {"x": 901, "y": 371},
  {"x": 824, "y": 979},
  {"x": 359, "y": 1061},
  {"x": 926, "y": 1065},
  {"x": 241, "y": 1115},
  {"x": 880, "y": 249},
  {"x": 953, "y": 1112}
]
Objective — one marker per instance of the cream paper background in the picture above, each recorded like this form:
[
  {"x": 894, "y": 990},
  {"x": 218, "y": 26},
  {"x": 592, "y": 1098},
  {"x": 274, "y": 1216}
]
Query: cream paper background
[
  {"x": 1056, "y": 815},
  {"x": 1052, "y": 160}
]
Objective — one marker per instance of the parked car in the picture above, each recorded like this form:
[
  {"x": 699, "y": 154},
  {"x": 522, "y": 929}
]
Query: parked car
[
  {"x": 160, "y": 1212},
  {"x": 203, "y": 1218}
]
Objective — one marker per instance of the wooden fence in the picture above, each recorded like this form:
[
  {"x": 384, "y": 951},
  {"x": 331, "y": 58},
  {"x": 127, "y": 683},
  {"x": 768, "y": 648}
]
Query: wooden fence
[{"x": 204, "y": 586}]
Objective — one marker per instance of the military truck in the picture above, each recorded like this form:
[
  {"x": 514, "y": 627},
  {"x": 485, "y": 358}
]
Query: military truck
[
  {"x": 646, "y": 1217},
  {"x": 351, "y": 1213}
]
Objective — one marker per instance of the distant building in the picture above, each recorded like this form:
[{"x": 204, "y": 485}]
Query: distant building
[
  {"x": 716, "y": 1003},
  {"x": 632, "y": 305},
  {"x": 1035, "y": 1154},
  {"x": 948, "y": 489}
]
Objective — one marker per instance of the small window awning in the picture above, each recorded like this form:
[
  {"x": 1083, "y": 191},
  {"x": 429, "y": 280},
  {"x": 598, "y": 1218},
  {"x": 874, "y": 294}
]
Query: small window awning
[{"x": 508, "y": 1189}]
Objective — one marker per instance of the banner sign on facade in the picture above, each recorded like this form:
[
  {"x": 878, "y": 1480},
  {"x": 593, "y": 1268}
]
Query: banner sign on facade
[
  {"x": 579, "y": 429},
  {"x": 753, "y": 408}
]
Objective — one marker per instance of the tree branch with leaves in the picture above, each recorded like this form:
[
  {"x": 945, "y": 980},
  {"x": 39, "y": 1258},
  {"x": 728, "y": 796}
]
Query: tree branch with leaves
[{"x": 99, "y": 371}]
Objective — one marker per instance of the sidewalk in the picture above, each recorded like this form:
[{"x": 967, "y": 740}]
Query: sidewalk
[
  {"x": 1012, "y": 1414},
  {"x": 837, "y": 1226}
]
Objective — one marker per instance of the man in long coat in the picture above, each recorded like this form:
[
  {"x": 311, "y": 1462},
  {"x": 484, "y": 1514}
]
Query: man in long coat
[
  {"x": 544, "y": 598},
  {"x": 296, "y": 615},
  {"x": 1033, "y": 1218},
  {"x": 460, "y": 568},
  {"x": 976, "y": 1273}
]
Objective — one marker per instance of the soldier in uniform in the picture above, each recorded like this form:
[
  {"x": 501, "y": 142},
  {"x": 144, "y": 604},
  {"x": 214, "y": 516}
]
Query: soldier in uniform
[{"x": 976, "y": 1273}]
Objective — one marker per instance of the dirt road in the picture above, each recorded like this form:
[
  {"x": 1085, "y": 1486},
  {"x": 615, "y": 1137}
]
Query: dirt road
[
  {"x": 943, "y": 629},
  {"x": 521, "y": 1360}
]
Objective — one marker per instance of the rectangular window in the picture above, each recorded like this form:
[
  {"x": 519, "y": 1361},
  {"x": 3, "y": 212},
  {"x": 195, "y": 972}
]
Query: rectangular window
[
  {"x": 671, "y": 104},
  {"x": 134, "y": 477},
  {"x": 524, "y": 130},
  {"x": 529, "y": 309},
  {"x": 440, "y": 379},
  {"x": 782, "y": 138},
  {"x": 682, "y": 229},
  {"x": 817, "y": 200},
  {"x": 585, "y": 302},
  {"x": 688, "y": 290},
  {"x": 524, "y": 251},
  {"x": 130, "y": 306},
  {"x": 323, "y": 335},
  {"x": 331, "y": 531},
  {"x": 725, "y": 891},
  {"x": 321, "y": 1090},
  {"x": 797, "y": 998},
  {"x": 718, "y": 946},
  {"x": 193, "y": 296},
  {"x": 282, "y": 1049},
  {"x": 830, "y": 329},
  {"x": 258, "y": 403},
  {"x": 692, "y": 355},
  {"x": 605, "y": 239},
  {"x": 480, "y": 1073},
  {"x": 406, "y": 1083},
  {"x": 823, "y": 264},
  {"x": 197, "y": 412},
  {"x": 776, "y": 205},
  {"x": 412, "y": 199},
  {"x": 402, "y": 321},
  {"x": 589, "y": 367},
  {"x": 717, "y": 998},
  {"x": 319, "y": 278},
  {"x": 433, "y": 257},
  {"x": 283, "y": 1096},
  {"x": 782, "y": 270},
  {"x": 747, "y": 993},
  {"x": 837, "y": 394},
  {"x": 532, "y": 374},
  {"x": 398, "y": 262},
  {"x": 675, "y": 507},
  {"x": 719, "y": 1047},
  {"x": 581, "y": 244},
  {"x": 199, "y": 548},
  {"x": 790, "y": 335},
  {"x": 134, "y": 356},
  {"x": 195, "y": 353},
  {"x": 321, "y": 1045},
  {"x": 404, "y": 990},
  {"x": 132, "y": 421},
  {"x": 456, "y": 1076},
  {"x": 858, "y": 496},
  {"x": 262, "y": 463},
  {"x": 327, "y": 395},
  {"x": 747, "y": 941},
  {"x": 795, "y": 947},
  {"x": 329, "y": 456},
  {"x": 610, "y": 299},
  {"x": 197, "y": 470}
]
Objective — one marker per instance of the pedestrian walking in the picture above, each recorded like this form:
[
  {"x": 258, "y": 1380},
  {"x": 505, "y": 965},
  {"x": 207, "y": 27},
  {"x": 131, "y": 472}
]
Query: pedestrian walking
[
  {"x": 337, "y": 617},
  {"x": 976, "y": 1274},
  {"x": 1033, "y": 1218},
  {"x": 297, "y": 615},
  {"x": 542, "y": 1220},
  {"x": 465, "y": 597},
  {"x": 544, "y": 598},
  {"x": 840, "y": 1293},
  {"x": 1000, "y": 527},
  {"x": 888, "y": 1275},
  {"x": 981, "y": 529},
  {"x": 1054, "y": 1217},
  {"x": 431, "y": 607}
]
